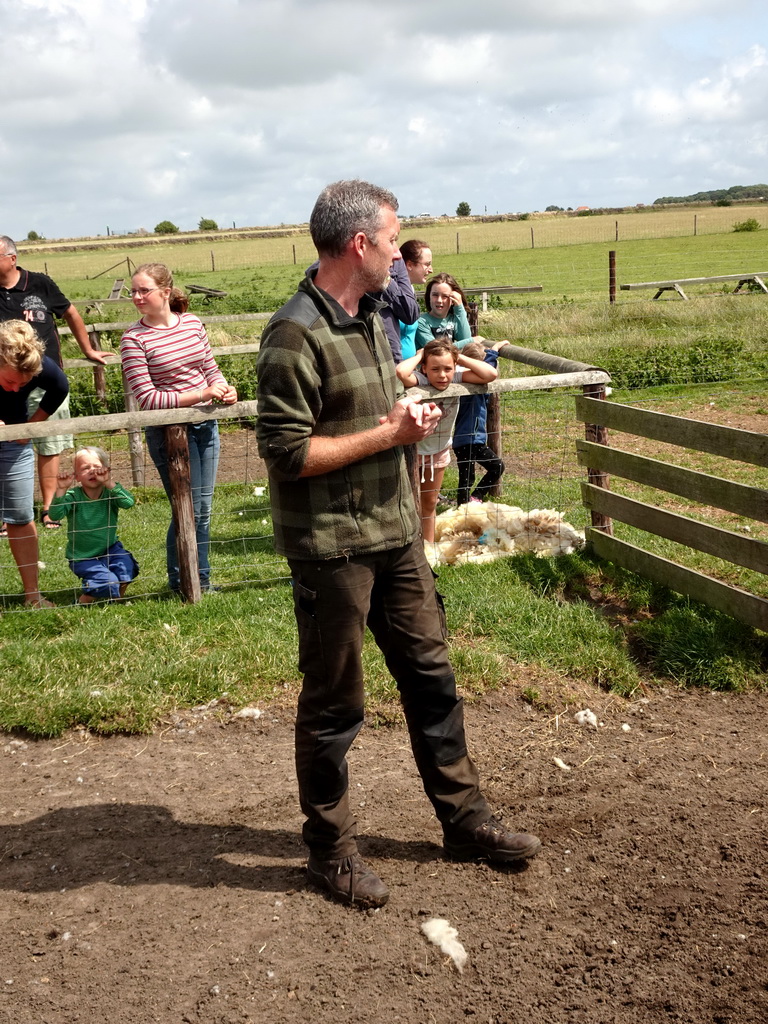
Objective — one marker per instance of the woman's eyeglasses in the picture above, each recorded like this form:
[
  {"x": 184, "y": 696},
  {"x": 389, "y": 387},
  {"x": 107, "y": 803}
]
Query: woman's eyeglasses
[{"x": 143, "y": 292}]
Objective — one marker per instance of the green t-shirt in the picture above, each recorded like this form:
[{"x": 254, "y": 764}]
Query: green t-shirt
[{"x": 91, "y": 522}]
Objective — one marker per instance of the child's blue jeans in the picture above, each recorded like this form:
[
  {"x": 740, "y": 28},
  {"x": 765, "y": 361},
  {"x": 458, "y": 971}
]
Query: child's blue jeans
[{"x": 102, "y": 576}]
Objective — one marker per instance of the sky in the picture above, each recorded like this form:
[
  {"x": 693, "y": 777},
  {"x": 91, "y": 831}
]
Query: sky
[{"x": 117, "y": 115}]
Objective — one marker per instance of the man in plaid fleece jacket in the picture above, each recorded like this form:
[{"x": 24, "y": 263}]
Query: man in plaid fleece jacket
[{"x": 331, "y": 428}]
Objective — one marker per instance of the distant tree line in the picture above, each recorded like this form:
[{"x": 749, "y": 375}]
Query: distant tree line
[{"x": 716, "y": 195}]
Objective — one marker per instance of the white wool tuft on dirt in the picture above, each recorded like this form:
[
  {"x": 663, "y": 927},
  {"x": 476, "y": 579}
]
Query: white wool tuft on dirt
[
  {"x": 248, "y": 713},
  {"x": 586, "y": 717},
  {"x": 444, "y": 935},
  {"x": 482, "y": 532}
]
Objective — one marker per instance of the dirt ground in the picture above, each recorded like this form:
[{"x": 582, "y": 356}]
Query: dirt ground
[{"x": 161, "y": 878}]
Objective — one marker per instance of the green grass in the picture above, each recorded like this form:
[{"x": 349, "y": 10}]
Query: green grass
[
  {"x": 126, "y": 667},
  {"x": 570, "y": 258}
]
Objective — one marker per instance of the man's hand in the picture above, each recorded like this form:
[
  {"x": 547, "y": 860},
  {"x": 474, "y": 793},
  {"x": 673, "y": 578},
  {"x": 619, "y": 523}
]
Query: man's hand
[
  {"x": 412, "y": 420},
  {"x": 96, "y": 356},
  {"x": 408, "y": 421}
]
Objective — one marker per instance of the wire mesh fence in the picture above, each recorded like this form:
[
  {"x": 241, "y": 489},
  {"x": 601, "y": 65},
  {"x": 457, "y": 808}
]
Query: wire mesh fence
[{"x": 537, "y": 433}]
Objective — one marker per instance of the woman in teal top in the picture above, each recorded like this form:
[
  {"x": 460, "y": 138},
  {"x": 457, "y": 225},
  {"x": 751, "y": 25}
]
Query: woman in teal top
[{"x": 447, "y": 316}]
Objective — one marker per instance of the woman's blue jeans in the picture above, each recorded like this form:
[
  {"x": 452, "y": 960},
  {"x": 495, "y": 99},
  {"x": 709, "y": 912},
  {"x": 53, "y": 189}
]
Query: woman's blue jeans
[
  {"x": 203, "y": 439},
  {"x": 17, "y": 482}
]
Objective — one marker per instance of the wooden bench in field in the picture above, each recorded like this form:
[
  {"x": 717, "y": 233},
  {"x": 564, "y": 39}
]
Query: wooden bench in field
[
  {"x": 495, "y": 289},
  {"x": 676, "y": 285},
  {"x": 209, "y": 293},
  {"x": 115, "y": 295}
]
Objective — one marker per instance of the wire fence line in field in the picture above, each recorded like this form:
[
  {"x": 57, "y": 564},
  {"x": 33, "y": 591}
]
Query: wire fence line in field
[
  {"x": 538, "y": 435},
  {"x": 537, "y": 431},
  {"x": 191, "y": 254}
]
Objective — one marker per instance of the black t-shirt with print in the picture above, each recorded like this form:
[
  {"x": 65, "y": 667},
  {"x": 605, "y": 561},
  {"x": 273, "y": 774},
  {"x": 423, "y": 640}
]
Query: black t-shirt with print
[{"x": 36, "y": 299}]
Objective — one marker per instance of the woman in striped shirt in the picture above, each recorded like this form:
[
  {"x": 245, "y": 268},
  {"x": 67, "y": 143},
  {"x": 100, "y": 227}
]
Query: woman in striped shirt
[{"x": 168, "y": 364}]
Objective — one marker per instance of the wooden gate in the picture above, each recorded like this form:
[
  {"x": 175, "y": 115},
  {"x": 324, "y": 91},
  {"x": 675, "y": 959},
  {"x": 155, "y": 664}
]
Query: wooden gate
[{"x": 741, "y": 499}]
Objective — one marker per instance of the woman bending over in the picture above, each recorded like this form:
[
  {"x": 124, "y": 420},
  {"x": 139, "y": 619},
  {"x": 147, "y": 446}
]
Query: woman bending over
[{"x": 23, "y": 367}]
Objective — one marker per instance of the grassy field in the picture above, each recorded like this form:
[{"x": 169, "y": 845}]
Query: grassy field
[
  {"x": 570, "y": 258},
  {"x": 125, "y": 667}
]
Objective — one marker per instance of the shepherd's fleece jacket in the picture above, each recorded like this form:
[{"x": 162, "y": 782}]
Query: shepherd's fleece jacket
[{"x": 323, "y": 372}]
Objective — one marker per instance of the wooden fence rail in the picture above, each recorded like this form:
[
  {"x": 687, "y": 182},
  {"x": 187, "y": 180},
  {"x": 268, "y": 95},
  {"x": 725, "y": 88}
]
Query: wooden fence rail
[{"x": 742, "y": 499}]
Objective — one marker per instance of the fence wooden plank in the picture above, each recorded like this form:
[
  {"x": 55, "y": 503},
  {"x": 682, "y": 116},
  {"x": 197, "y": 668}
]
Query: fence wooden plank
[
  {"x": 708, "y": 490},
  {"x": 729, "y": 442},
  {"x": 492, "y": 289},
  {"x": 207, "y": 318},
  {"x": 129, "y": 421},
  {"x": 219, "y": 350},
  {"x": 733, "y": 547},
  {"x": 598, "y": 434},
  {"x": 247, "y": 410},
  {"x": 730, "y": 600},
  {"x": 536, "y": 383}
]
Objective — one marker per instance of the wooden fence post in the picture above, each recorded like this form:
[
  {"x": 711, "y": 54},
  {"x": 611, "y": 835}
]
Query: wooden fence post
[
  {"x": 612, "y": 276},
  {"x": 177, "y": 450},
  {"x": 473, "y": 318},
  {"x": 599, "y": 435},
  {"x": 99, "y": 373},
  {"x": 135, "y": 445}
]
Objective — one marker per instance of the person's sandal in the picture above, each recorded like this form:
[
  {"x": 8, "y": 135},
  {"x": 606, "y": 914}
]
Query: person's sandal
[
  {"x": 48, "y": 523},
  {"x": 3, "y": 530}
]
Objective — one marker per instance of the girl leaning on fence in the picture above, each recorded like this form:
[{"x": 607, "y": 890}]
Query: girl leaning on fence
[
  {"x": 168, "y": 364},
  {"x": 446, "y": 315}
]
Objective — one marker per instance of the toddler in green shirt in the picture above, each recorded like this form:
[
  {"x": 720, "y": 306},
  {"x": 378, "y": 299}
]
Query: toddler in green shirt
[{"x": 90, "y": 508}]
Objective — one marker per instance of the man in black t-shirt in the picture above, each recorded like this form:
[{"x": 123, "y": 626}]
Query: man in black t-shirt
[{"x": 35, "y": 298}]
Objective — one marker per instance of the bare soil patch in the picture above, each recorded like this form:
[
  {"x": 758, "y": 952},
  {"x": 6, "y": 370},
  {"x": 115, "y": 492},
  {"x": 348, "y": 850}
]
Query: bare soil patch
[{"x": 161, "y": 878}]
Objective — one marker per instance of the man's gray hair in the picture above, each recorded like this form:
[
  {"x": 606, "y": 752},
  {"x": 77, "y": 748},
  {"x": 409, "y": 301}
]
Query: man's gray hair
[
  {"x": 344, "y": 208},
  {"x": 8, "y": 244}
]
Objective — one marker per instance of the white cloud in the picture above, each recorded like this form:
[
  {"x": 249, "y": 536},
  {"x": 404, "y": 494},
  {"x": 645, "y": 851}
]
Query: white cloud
[{"x": 243, "y": 110}]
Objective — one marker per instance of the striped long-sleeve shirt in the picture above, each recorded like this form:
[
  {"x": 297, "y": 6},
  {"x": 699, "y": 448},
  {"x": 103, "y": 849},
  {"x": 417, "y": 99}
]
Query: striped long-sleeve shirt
[{"x": 161, "y": 362}]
